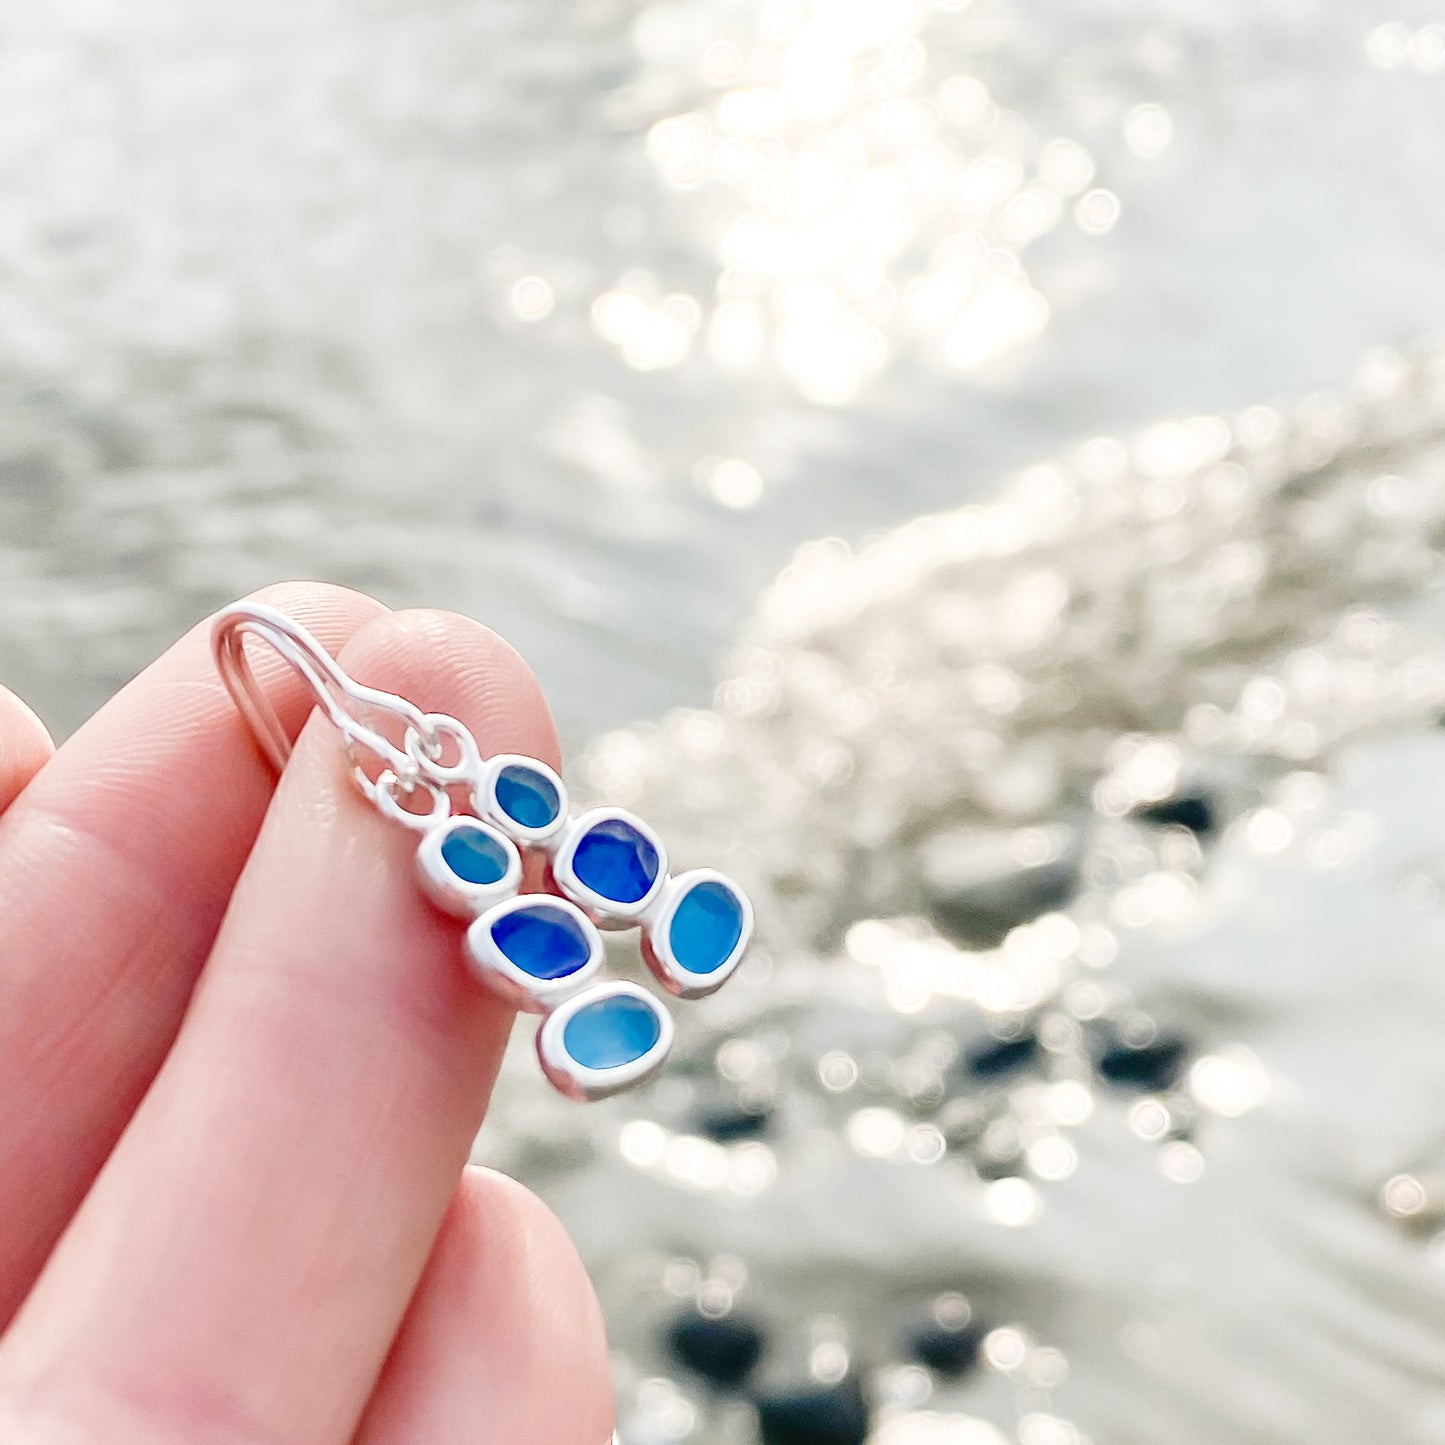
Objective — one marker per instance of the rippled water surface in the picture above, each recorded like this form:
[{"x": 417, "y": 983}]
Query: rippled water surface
[
  {"x": 580, "y": 317},
  {"x": 1084, "y": 1086}
]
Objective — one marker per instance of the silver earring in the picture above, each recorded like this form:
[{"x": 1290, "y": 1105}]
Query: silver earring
[{"x": 478, "y": 818}]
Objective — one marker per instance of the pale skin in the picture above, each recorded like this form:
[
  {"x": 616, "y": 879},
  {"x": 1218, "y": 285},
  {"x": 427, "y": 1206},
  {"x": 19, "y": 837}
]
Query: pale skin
[{"x": 241, "y": 1070}]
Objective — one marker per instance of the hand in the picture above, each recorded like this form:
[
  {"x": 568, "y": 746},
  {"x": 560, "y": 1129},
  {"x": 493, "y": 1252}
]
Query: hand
[{"x": 241, "y": 1067}]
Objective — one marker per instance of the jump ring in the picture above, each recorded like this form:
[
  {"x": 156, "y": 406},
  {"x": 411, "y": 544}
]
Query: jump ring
[
  {"x": 468, "y": 766},
  {"x": 386, "y": 793}
]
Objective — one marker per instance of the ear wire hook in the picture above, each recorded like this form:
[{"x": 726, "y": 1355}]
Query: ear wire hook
[{"x": 336, "y": 693}]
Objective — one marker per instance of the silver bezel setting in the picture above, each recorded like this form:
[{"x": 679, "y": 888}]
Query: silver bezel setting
[
  {"x": 605, "y": 912},
  {"x": 484, "y": 798},
  {"x": 576, "y": 1080},
  {"x": 678, "y": 980},
  {"x": 453, "y": 894},
  {"x": 521, "y": 989}
]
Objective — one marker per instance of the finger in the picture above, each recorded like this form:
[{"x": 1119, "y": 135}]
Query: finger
[
  {"x": 115, "y": 867},
  {"x": 243, "y": 1262},
  {"x": 24, "y": 746},
  {"x": 503, "y": 1343}
]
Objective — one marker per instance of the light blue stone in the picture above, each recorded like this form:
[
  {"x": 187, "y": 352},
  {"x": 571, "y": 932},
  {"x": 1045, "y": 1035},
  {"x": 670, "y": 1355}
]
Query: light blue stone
[
  {"x": 544, "y": 940},
  {"x": 705, "y": 927},
  {"x": 475, "y": 856},
  {"x": 527, "y": 796},
  {"x": 612, "y": 1031},
  {"x": 615, "y": 860}
]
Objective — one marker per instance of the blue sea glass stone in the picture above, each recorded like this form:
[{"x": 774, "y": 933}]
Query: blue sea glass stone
[
  {"x": 615, "y": 860},
  {"x": 612, "y": 1031},
  {"x": 527, "y": 796},
  {"x": 705, "y": 927},
  {"x": 543, "y": 940},
  {"x": 475, "y": 856}
]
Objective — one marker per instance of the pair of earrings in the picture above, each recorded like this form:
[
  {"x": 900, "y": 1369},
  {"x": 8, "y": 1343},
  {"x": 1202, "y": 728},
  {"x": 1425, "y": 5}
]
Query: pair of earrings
[{"x": 605, "y": 868}]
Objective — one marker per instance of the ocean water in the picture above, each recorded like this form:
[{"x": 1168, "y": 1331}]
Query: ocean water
[{"x": 975, "y": 470}]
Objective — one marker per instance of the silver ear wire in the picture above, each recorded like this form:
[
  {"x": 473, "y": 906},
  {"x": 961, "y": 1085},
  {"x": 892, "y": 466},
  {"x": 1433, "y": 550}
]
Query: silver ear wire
[
  {"x": 344, "y": 700},
  {"x": 290, "y": 641}
]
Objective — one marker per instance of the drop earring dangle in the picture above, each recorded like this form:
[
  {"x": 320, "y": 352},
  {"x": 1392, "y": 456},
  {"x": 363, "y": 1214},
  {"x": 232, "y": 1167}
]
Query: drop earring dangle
[{"x": 478, "y": 818}]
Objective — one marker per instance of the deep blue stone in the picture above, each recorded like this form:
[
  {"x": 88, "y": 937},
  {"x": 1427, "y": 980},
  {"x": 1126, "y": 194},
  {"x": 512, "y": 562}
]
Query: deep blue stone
[
  {"x": 615, "y": 860},
  {"x": 705, "y": 927},
  {"x": 527, "y": 796},
  {"x": 474, "y": 855},
  {"x": 543, "y": 940},
  {"x": 612, "y": 1031}
]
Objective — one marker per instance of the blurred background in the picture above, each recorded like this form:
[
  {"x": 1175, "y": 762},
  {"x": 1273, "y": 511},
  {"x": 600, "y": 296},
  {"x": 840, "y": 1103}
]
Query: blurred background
[{"x": 974, "y": 470}]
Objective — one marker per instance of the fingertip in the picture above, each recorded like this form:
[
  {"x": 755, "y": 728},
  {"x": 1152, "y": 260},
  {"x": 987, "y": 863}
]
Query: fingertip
[
  {"x": 504, "y": 1328},
  {"x": 511, "y": 1234},
  {"x": 25, "y": 746},
  {"x": 334, "y": 612},
  {"x": 447, "y": 662},
  {"x": 513, "y": 1248}
]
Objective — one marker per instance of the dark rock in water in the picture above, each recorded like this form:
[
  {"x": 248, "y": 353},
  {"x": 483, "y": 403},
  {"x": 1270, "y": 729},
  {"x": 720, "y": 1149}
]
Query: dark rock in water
[
  {"x": 723, "y": 1351},
  {"x": 947, "y": 1351},
  {"x": 737, "y": 1121},
  {"x": 983, "y": 916},
  {"x": 978, "y": 890},
  {"x": 962, "y": 1120},
  {"x": 1155, "y": 1065},
  {"x": 821, "y": 1415},
  {"x": 1194, "y": 811},
  {"x": 991, "y": 1169},
  {"x": 1001, "y": 1056}
]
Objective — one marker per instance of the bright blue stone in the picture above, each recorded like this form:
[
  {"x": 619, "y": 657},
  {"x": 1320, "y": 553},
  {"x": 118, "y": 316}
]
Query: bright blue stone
[
  {"x": 527, "y": 796},
  {"x": 475, "y": 856},
  {"x": 613, "y": 1031},
  {"x": 543, "y": 940},
  {"x": 705, "y": 927},
  {"x": 614, "y": 859}
]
